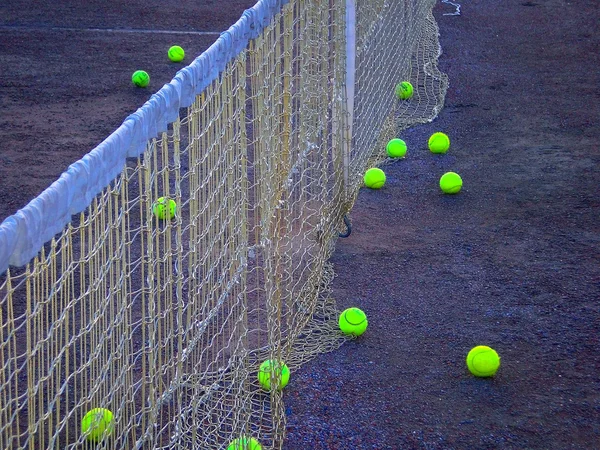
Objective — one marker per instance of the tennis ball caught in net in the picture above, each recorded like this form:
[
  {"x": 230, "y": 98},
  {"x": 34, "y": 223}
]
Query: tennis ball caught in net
[
  {"x": 244, "y": 443},
  {"x": 97, "y": 424},
  {"x": 164, "y": 208},
  {"x": 404, "y": 90},
  {"x": 273, "y": 374}
]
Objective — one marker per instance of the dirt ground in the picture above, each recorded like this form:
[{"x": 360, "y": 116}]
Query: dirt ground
[{"x": 511, "y": 262}]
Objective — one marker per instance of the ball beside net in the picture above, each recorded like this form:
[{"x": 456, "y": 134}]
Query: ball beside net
[
  {"x": 404, "y": 90},
  {"x": 140, "y": 78},
  {"x": 483, "y": 361},
  {"x": 374, "y": 178},
  {"x": 396, "y": 148},
  {"x": 176, "y": 53},
  {"x": 272, "y": 371},
  {"x": 439, "y": 143},
  {"x": 164, "y": 208},
  {"x": 353, "y": 321},
  {"x": 451, "y": 183},
  {"x": 97, "y": 424}
]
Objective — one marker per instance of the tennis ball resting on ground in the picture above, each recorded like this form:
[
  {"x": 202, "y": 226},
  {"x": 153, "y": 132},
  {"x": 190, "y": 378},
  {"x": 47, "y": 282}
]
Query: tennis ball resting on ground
[
  {"x": 244, "y": 443},
  {"x": 176, "y": 53},
  {"x": 396, "y": 148},
  {"x": 374, "y": 178},
  {"x": 483, "y": 361},
  {"x": 451, "y": 183},
  {"x": 353, "y": 321},
  {"x": 164, "y": 208},
  {"x": 97, "y": 423},
  {"x": 439, "y": 143},
  {"x": 404, "y": 90},
  {"x": 271, "y": 370},
  {"x": 140, "y": 78}
]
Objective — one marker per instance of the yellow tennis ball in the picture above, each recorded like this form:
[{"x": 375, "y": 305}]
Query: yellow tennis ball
[
  {"x": 404, "y": 90},
  {"x": 396, "y": 148},
  {"x": 273, "y": 371},
  {"x": 483, "y": 361},
  {"x": 439, "y": 143},
  {"x": 374, "y": 178},
  {"x": 97, "y": 424},
  {"x": 140, "y": 78},
  {"x": 244, "y": 443},
  {"x": 176, "y": 53},
  {"x": 164, "y": 208},
  {"x": 451, "y": 183},
  {"x": 353, "y": 321}
]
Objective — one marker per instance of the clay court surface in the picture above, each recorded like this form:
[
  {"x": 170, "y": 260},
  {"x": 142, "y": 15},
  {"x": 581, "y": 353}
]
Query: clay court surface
[
  {"x": 65, "y": 77},
  {"x": 513, "y": 261}
]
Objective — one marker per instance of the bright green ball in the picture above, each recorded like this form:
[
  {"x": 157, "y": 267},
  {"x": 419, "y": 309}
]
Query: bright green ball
[
  {"x": 353, "y": 321},
  {"x": 140, "y": 78},
  {"x": 439, "y": 143},
  {"x": 244, "y": 443},
  {"x": 278, "y": 370},
  {"x": 374, "y": 178},
  {"x": 164, "y": 208},
  {"x": 483, "y": 361},
  {"x": 451, "y": 183},
  {"x": 396, "y": 148},
  {"x": 404, "y": 90},
  {"x": 97, "y": 424},
  {"x": 176, "y": 53}
]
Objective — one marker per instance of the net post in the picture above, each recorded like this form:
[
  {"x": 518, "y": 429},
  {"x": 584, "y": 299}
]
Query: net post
[{"x": 349, "y": 91}]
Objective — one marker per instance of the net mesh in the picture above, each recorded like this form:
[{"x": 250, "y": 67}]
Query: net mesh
[{"x": 166, "y": 322}]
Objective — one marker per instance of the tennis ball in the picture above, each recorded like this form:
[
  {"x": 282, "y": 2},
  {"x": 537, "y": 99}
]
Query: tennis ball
[
  {"x": 140, "y": 78},
  {"x": 353, "y": 321},
  {"x": 483, "y": 361},
  {"x": 164, "y": 208},
  {"x": 396, "y": 148},
  {"x": 404, "y": 90},
  {"x": 450, "y": 183},
  {"x": 439, "y": 143},
  {"x": 244, "y": 443},
  {"x": 275, "y": 371},
  {"x": 176, "y": 53},
  {"x": 374, "y": 178},
  {"x": 97, "y": 424}
]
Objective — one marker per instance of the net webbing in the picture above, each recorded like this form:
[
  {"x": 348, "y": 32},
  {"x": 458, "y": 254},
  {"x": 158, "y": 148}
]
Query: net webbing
[{"x": 165, "y": 322}]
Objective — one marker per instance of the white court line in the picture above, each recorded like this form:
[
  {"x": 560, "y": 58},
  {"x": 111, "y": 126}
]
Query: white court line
[{"x": 107, "y": 30}]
